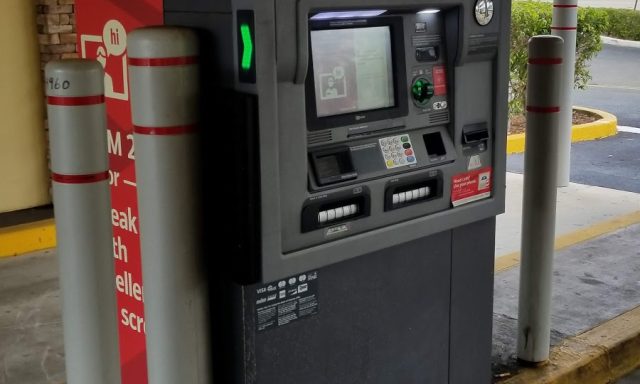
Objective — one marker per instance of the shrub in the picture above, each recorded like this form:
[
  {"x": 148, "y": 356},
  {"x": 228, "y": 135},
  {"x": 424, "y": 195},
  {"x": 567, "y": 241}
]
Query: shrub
[
  {"x": 530, "y": 18},
  {"x": 623, "y": 24}
]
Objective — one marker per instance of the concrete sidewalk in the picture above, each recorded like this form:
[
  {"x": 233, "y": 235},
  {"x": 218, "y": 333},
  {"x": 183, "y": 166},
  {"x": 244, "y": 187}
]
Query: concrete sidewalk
[
  {"x": 579, "y": 207},
  {"x": 596, "y": 271},
  {"x": 593, "y": 282}
]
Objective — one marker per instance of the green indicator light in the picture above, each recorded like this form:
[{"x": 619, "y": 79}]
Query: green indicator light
[{"x": 247, "y": 43}]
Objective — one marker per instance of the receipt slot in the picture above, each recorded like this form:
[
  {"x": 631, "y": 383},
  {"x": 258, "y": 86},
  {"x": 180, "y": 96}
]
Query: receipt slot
[{"x": 358, "y": 154}]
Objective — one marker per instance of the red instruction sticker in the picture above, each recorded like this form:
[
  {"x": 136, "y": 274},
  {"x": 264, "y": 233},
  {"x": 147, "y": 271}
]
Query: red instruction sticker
[
  {"x": 470, "y": 186},
  {"x": 439, "y": 81}
]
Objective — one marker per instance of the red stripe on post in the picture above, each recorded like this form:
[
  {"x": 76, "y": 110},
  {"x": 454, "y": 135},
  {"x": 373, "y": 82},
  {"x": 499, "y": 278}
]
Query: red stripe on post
[
  {"x": 546, "y": 60},
  {"x": 564, "y": 28},
  {"x": 75, "y": 100},
  {"x": 162, "y": 61},
  {"x": 565, "y": 5},
  {"x": 165, "y": 131},
  {"x": 80, "y": 179},
  {"x": 535, "y": 109}
]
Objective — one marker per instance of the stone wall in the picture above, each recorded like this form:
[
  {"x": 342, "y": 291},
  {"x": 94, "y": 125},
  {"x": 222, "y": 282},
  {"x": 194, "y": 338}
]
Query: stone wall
[{"x": 56, "y": 22}]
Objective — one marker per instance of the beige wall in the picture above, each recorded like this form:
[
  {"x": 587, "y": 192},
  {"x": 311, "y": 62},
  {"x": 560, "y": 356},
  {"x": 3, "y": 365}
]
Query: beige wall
[{"x": 23, "y": 165}]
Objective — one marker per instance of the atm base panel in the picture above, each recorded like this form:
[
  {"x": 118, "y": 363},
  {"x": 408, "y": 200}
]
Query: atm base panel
[{"x": 419, "y": 313}]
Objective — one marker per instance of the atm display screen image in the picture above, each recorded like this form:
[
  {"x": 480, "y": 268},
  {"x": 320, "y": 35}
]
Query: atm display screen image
[{"x": 352, "y": 69}]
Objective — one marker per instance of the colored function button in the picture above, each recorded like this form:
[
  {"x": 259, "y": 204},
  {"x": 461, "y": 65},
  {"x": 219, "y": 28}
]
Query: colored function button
[
  {"x": 404, "y": 139},
  {"x": 408, "y": 152},
  {"x": 411, "y": 159},
  {"x": 406, "y": 145}
]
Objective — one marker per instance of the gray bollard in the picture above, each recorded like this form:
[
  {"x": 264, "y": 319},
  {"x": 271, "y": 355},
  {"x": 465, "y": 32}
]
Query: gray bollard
[
  {"x": 564, "y": 25},
  {"x": 539, "y": 201},
  {"x": 164, "y": 98},
  {"x": 79, "y": 164}
]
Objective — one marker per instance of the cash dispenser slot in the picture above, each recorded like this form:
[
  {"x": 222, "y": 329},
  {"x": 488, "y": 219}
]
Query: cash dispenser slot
[
  {"x": 336, "y": 209},
  {"x": 400, "y": 194}
]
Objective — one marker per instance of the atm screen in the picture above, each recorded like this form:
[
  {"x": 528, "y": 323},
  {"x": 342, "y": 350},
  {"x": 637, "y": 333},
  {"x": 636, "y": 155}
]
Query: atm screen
[{"x": 353, "y": 70}]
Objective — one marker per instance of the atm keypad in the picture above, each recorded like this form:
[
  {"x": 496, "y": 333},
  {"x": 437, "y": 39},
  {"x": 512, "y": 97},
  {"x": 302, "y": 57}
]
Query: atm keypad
[{"x": 397, "y": 151}]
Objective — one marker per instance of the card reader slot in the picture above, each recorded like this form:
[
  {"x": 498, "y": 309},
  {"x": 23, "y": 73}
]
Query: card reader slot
[
  {"x": 475, "y": 133},
  {"x": 400, "y": 195},
  {"x": 326, "y": 213}
]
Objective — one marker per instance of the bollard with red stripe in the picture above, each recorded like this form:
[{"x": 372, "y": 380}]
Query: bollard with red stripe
[
  {"x": 539, "y": 200},
  {"x": 79, "y": 165},
  {"x": 564, "y": 24},
  {"x": 164, "y": 97}
]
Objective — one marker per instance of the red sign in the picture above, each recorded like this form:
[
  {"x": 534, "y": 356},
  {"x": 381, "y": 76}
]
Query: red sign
[
  {"x": 102, "y": 27},
  {"x": 439, "y": 80},
  {"x": 471, "y": 186}
]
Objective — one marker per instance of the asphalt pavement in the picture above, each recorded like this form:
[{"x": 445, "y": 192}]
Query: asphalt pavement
[
  {"x": 612, "y": 162},
  {"x": 615, "y": 84}
]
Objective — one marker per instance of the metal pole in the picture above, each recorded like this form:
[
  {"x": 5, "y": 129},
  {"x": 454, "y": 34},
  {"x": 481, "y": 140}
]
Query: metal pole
[
  {"x": 635, "y": 6},
  {"x": 164, "y": 98},
  {"x": 564, "y": 25},
  {"x": 539, "y": 201},
  {"x": 78, "y": 141}
]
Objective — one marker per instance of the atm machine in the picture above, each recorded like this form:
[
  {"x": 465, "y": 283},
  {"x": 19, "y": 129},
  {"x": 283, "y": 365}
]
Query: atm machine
[{"x": 359, "y": 153}]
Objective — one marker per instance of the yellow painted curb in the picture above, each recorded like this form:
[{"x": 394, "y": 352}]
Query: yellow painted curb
[
  {"x": 600, "y": 355},
  {"x": 512, "y": 259},
  {"x": 27, "y": 238},
  {"x": 605, "y": 127}
]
